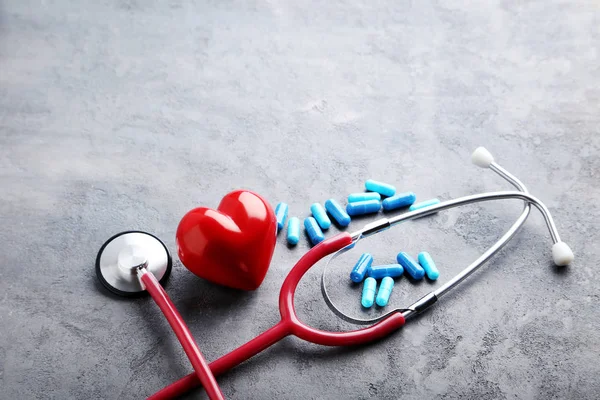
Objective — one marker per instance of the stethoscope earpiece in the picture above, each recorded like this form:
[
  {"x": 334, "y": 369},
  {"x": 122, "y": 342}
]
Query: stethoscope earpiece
[{"x": 562, "y": 254}]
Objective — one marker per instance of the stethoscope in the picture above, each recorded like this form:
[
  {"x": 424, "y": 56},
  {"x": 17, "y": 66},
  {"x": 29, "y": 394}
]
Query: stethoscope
[{"x": 133, "y": 262}]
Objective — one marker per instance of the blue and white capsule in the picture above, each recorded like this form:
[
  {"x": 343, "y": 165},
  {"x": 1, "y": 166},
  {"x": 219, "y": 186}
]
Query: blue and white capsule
[
  {"x": 385, "y": 291},
  {"x": 293, "y": 231},
  {"x": 337, "y": 212},
  {"x": 368, "y": 292},
  {"x": 428, "y": 265},
  {"x": 383, "y": 189},
  {"x": 360, "y": 268},
  {"x": 314, "y": 232},
  {"x": 281, "y": 212},
  {"x": 410, "y": 266},
  {"x": 363, "y": 207},
  {"x": 381, "y": 271},
  {"x": 320, "y": 215},
  {"x": 423, "y": 204},
  {"x": 398, "y": 201},
  {"x": 354, "y": 197}
]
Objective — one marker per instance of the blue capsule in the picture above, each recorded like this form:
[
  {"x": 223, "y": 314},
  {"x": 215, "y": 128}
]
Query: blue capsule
[
  {"x": 428, "y": 265},
  {"x": 385, "y": 291},
  {"x": 368, "y": 292},
  {"x": 354, "y": 197},
  {"x": 320, "y": 215},
  {"x": 410, "y": 265},
  {"x": 383, "y": 189},
  {"x": 363, "y": 207},
  {"x": 314, "y": 232},
  {"x": 424, "y": 204},
  {"x": 399, "y": 200},
  {"x": 360, "y": 269},
  {"x": 381, "y": 271},
  {"x": 281, "y": 211},
  {"x": 337, "y": 212},
  {"x": 293, "y": 232}
]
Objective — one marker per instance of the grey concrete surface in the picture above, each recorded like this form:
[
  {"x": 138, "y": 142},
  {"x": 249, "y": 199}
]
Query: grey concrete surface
[{"x": 118, "y": 115}]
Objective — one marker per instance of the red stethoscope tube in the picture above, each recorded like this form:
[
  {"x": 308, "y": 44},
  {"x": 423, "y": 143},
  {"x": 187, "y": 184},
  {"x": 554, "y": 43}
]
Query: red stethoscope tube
[
  {"x": 203, "y": 372},
  {"x": 288, "y": 325}
]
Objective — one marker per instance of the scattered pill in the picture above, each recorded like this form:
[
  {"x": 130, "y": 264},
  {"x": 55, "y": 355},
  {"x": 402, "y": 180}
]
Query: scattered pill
[
  {"x": 293, "y": 230},
  {"x": 363, "y": 207},
  {"x": 320, "y": 215},
  {"x": 381, "y": 271},
  {"x": 382, "y": 188},
  {"x": 281, "y": 211},
  {"x": 398, "y": 201},
  {"x": 410, "y": 265},
  {"x": 337, "y": 212},
  {"x": 314, "y": 232},
  {"x": 360, "y": 269},
  {"x": 385, "y": 291},
  {"x": 428, "y": 265},
  {"x": 354, "y": 197},
  {"x": 424, "y": 204},
  {"x": 368, "y": 293}
]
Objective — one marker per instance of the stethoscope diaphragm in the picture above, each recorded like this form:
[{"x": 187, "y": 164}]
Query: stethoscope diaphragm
[{"x": 122, "y": 254}]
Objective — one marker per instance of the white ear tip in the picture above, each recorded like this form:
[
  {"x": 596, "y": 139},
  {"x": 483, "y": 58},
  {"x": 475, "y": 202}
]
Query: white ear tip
[
  {"x": 562, "y": 254},
  {"x": 482, "y": 158}
]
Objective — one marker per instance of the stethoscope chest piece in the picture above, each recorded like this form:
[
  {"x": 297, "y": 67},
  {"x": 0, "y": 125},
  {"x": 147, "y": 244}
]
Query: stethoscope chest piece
[{"x": 123, "y": 254}]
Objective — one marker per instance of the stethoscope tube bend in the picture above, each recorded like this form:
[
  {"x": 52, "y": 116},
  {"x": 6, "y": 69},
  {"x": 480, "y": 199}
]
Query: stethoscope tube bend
[{"x": 290, "y": 324}]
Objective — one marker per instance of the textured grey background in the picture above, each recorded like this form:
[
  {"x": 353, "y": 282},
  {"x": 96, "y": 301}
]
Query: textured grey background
[{"x": 118, "y": 115}]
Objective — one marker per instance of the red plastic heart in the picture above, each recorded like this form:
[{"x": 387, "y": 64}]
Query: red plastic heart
[{"x": 232, "y": 245}]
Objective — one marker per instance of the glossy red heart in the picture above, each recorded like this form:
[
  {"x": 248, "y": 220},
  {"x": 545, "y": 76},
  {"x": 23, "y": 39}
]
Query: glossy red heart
[{"x": 232, "y": 245}]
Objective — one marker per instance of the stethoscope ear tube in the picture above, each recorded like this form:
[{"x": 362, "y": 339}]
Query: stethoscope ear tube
[{"x": 561, "y": 252}]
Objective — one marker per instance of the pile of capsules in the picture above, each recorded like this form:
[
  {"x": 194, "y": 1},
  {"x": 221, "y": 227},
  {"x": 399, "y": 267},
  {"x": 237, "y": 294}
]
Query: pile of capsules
[
  {"x": 369, "y": 202},
  {"x": 387, "y": 273}
]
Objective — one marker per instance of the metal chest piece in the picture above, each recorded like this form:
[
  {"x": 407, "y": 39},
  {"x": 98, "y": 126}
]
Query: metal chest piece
[{"x": 122, "y": 255}]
